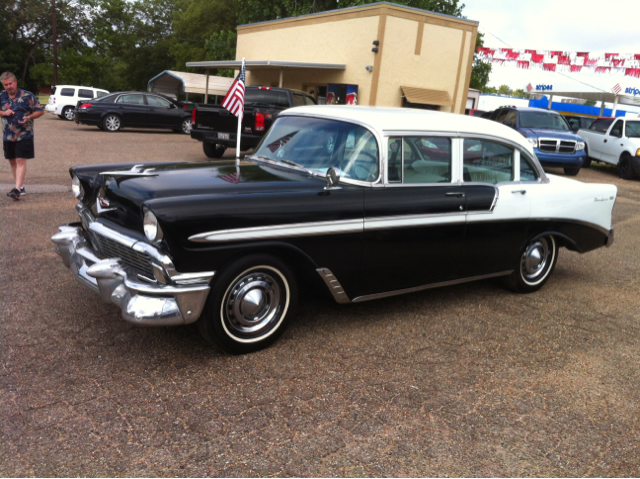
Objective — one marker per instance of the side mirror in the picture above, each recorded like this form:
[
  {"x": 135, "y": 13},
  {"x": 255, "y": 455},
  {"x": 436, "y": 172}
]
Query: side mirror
[
  {"x": 332, "y": 178},
  {"x": 575, "y": 128}
]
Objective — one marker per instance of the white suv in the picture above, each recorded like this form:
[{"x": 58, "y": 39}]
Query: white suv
[{"x": 64, "y": 98}]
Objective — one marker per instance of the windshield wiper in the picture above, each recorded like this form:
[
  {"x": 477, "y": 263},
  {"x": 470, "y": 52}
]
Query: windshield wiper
[
  {"x": 286, "y": 162},
  {"x": 292, "y": 163}
]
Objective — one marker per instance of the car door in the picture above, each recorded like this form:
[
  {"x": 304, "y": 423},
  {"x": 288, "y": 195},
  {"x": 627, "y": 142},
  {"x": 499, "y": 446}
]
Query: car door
[
  {"x": 415, "y": 222},
  {"x": 162, "y": 113},
  {"x": 132, "y": 109},
  {"x": 611, "y": 143},
  {"x": 497, "y": 217}
]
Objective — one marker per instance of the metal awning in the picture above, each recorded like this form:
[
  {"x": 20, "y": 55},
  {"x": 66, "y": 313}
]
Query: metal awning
[
  {"x": 172, "y": 83},
  {"x": 265, "y": 65},
  {"x": 426, "y": 96}
]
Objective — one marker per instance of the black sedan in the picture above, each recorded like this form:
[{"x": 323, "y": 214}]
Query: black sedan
[{"x": 135, "y": 110}]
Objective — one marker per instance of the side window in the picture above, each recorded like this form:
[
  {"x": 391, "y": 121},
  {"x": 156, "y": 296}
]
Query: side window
[
  {"x": 573, "y": 122},
  {"x": 527, "y": 171},
  {"x": 419, "y": 159},
  {"x": 157, "y": 101},
  {"x": 510, "y": 119},
  {"x": 131, "y": 99},
  {"x": 487, "y": 162},
  {"x": 100, "y": 94},
  {"x": 68, "y": 92},
  {"x": 309, "y": 100},
  {"x": 502, "y": 116},
  {"x": 82, "y": 93},
  {"x": 601, "y": 125},
  {"x": 298, "y": 100},
  {"x": 616, "y": 130}
]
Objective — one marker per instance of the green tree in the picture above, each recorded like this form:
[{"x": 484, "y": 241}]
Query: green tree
[{"x": 480, "y": 70}]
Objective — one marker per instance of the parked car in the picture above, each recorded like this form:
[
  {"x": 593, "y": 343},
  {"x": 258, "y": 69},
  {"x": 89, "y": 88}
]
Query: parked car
[
  {"x": 217, "y": 129},
  {"x": 135, "y": 110},
  {"x": 63, "y": 99},
  {"x": 576, "y": 122},
  {"x": 549, "y": 133},
  {"x": 362, "y": 202},
  {"x": 616, "y": 142}
]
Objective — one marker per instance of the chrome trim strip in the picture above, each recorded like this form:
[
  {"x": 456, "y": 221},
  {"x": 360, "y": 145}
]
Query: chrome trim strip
[
  {"x": 335, "y": 288},
  {"x": 281, "y": 231},
  {"x": 369, "y": 297},
  {"x": 413, "y": 220}
]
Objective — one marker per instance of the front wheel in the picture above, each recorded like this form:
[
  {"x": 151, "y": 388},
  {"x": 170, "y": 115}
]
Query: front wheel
[
  {"x": 249, "y": 305},
  {"x": 535, "y": 265},
  {"x": 112, "y": 122},
  {"x": 213, "y": 150},
  {"x": 572, "y": 171},
  {"x": 587, "y": 161}
]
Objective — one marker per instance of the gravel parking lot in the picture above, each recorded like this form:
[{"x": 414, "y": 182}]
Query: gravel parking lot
[{"x": 470, "y": 380}]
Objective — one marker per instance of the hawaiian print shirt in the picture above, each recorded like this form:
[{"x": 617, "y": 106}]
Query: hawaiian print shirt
[{"x": 23, "y": 104}]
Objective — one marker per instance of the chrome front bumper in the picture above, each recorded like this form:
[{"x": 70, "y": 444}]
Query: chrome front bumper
[{"x": 179, "y": 301}]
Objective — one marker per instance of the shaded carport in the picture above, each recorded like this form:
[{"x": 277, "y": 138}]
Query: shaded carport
[
  {"x": 173, "y": 83},
  {"x": 276, "y": 65}
]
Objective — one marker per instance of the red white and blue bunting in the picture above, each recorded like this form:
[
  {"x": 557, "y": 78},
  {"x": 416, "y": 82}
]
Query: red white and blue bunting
[{"x": 627, "y": 64}]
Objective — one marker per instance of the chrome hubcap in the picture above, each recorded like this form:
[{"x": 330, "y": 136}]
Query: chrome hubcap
[
  {"x": 186, "y": 126},
  {"x": 254, "y": 304},
  {"x": 535, "y": 260},
  {"x": 112, "y": 123},
  {"x": 69, "y": 114}
]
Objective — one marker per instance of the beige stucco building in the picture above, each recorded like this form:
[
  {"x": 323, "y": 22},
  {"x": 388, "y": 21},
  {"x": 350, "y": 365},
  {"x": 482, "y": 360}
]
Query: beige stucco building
[{"x": 423, "y": 59}]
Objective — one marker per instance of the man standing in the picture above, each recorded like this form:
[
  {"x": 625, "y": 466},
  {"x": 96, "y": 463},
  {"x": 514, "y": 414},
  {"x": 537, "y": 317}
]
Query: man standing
[{"x": 18, "y": 110}]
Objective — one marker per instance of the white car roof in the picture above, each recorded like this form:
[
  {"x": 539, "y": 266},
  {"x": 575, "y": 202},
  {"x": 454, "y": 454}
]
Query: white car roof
[
  {"x": 80, "y": 86},
  {"x": 385, "y": 119}
]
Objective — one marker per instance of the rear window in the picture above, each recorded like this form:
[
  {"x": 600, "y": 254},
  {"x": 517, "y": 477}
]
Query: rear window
[
  {"x": 100, "y": 94},
  {"x": 82, "y": 93},
  {"x": 266, "y": 98},
  {"x": 53, "y": 90},
  {"x": 601, "y": 125},
  {"x": 68, "y": 92}
]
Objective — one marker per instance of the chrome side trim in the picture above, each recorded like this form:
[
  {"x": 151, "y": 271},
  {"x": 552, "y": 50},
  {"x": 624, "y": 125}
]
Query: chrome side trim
[
  {"x": 413, "y": 220},
  {"x": 281, "y": 231},
  {"x": 369, "y": 297},
  {"x": 335, "y": 288}
]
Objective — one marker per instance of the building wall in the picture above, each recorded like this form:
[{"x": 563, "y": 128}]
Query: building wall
[{"x": 418, "y": 49}]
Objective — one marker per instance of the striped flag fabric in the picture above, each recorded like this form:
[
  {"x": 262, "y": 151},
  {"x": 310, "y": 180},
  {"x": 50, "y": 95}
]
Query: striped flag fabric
[
  {"x": 234, "y": 99},
  {"x": 616, "y": 88}
]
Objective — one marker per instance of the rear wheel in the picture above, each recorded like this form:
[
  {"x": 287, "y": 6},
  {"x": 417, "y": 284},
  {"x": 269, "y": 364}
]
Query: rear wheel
[
  {"x": 112, "y": 122},
  {"x": 185, "y": 126},
  {"x": 535, "y": 265},
  {"x": 625, "y": 170},
  {"x": 572, "y": 171},
  {"x": 68, "y": 113},
  {"x": 213, "y": 150},
  {"x": 249, "y": 305}
]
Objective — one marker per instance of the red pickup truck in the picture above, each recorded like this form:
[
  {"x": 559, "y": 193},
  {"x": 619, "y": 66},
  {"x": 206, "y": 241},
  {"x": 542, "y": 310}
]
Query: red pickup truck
[{"x": 217, "y": 128}]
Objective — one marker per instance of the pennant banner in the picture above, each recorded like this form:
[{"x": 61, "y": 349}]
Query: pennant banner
[{"x": 627, "y": 64}]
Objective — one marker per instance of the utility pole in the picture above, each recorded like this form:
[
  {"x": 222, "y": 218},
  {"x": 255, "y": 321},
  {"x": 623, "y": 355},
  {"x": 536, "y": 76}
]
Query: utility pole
[{"x": 54, "y": 29}]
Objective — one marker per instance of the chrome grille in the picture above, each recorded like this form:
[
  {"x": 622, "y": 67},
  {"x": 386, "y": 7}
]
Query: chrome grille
[
  {"x": 556, "y": 146},
  {"x": 139, "y": 263}
]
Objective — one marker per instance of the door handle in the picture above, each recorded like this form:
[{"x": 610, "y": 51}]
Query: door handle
[
  {"x": 456, "y": 194},
  {"x": 522, "y": 192},
  {"x": 605, "y": 140}
]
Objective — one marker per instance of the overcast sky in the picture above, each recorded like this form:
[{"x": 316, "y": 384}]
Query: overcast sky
[{"x": 611, "y": 26}]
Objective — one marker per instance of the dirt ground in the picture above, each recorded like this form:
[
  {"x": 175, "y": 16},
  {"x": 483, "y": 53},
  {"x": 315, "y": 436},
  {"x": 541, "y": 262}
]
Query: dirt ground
[{"x": 469, "y": 380}]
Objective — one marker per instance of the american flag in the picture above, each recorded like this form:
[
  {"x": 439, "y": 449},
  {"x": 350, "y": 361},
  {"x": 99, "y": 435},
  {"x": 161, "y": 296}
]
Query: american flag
[
  {"x": 232, "y": 177},
  {"x": 529, "y": 87},
  {"x": 616, "y": 88},
  {"x": 234, "y": 100},
  {"x": 279, "y": 143}
]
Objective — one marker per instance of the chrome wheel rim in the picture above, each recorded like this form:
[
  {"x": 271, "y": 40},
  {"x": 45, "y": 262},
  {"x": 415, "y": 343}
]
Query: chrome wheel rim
[
  {"x": 186, "y": 127},
  {"x": 69, "y": 114},
  {"x": 255, "y": 304},
  {"x": 536, "y": 260},
  {"x": 112, "y": 123}
]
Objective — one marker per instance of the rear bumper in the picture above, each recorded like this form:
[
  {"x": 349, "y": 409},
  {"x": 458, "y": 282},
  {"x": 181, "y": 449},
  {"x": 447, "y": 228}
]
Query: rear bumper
[
  {"x": 83, "y": 118},
  {"x": 146, "y": 304},
  {"x": 609, "y": 240},
  {"x": 555, "y": 160},
  {"x": 247, "y": 140}
]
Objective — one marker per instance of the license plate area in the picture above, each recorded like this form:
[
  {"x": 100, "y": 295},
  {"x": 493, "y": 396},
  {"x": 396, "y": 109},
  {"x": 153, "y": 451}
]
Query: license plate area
[{"x": 223, "y": 136}]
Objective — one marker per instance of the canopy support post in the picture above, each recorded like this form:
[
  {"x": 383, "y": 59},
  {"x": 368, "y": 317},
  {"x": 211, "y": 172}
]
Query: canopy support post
[
  {"x": 602, "y": 108},
  {"x": 206, "y": 89},
  {"x": 281, "y": 78},
  {"x": 550, "y": 102},
  {"x": 615, "y": 106}
]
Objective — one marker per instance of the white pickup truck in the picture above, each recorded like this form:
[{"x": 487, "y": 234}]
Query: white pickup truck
[{"x": 615, "y": 141}]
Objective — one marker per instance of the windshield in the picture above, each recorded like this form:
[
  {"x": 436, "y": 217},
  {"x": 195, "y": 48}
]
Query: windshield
[
  {"x": 541, "y": 119},
  {"x": 318, "y": 144},
  {"x": 633, "y": 129}
]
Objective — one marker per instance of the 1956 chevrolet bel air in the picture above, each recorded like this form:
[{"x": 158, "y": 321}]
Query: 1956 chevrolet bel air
[{"x": 367, "y": 202}]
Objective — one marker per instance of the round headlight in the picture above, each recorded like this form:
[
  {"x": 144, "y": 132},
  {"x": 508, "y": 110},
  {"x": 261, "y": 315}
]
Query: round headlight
[
  {"x": 151, "y": 229},
  {"x": 76, "y": 187}
]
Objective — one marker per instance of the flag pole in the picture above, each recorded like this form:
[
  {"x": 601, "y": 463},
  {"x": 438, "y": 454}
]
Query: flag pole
[{"x": 240, "y": 118}]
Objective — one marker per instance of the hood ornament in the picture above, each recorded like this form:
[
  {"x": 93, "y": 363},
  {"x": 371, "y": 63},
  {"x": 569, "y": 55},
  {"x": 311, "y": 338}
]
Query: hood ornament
[{"x": 136, "y": 171}]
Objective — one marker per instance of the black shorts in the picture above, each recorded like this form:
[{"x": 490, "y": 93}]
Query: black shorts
[{"x": 18, "y": 149}]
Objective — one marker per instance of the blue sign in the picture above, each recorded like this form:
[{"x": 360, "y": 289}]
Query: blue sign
[
  {"x": 544, "y": 87},
  {"x": 632, "y": 91}
]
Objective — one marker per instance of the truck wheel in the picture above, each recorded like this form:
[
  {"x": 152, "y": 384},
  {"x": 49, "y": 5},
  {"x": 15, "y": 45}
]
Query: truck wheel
[
  {"x": 213, "y": 150},
  {"x": 624, "y": 167},
  {"x": 536, "y": 263},
  {"x": 587, "y": 160},
  {"x": 572, "y": 171},
  {"x": 249, "y": 305}
]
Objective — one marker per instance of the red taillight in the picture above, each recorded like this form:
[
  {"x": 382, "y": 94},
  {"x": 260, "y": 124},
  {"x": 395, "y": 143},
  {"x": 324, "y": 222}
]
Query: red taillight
[
  {"x": 193, "y": 116},
  {"x": 259, "y": 122},
  {"x": 84, "y": 106},
  {"x": 185, "y": 106}
]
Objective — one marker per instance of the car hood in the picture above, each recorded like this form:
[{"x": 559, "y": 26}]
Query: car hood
[{"x": 548, "y": 133}]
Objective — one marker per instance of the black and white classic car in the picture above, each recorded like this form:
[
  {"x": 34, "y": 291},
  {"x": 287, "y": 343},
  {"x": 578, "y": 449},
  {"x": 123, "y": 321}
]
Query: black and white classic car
[{"x": 366, "y": 202}]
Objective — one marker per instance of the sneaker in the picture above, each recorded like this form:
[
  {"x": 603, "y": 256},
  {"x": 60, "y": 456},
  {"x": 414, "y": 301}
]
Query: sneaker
[
  {"x": 14, "y": 193},
  {"x": 23, "y": 191}
]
